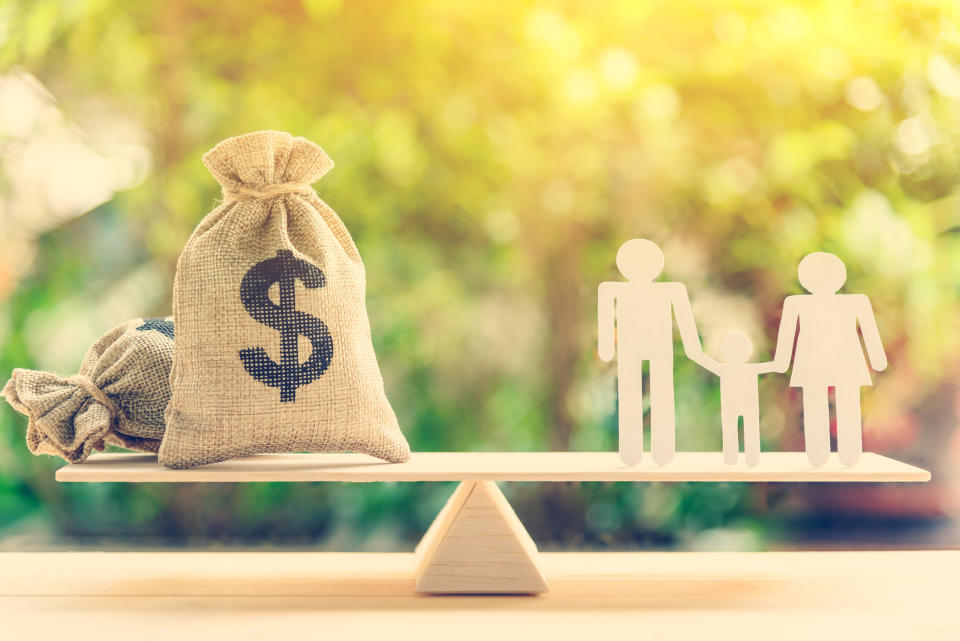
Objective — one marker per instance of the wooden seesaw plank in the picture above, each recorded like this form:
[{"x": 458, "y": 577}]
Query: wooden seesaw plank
[{"x": 491, "y": 466}]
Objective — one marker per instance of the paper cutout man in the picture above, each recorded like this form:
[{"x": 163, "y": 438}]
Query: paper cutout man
[
  {"x": 644, "y": 332},
  {"x": 828, "y": 354},
  {"x": 738, "y": 396}
]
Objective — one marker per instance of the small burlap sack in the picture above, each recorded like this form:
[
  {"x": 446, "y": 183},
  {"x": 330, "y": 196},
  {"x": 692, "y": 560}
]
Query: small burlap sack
[
  {"x": 117, "y": 398},
  {"x": 273, "y": 348}
]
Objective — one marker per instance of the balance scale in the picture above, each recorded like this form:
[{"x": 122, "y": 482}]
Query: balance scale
[{"x": 477, "y": 545}]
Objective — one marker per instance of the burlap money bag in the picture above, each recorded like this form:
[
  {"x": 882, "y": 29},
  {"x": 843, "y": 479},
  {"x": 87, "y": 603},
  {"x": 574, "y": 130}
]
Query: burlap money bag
[
  {"x": 117, "y": 398},
  {"x": 273, "y": 349}
]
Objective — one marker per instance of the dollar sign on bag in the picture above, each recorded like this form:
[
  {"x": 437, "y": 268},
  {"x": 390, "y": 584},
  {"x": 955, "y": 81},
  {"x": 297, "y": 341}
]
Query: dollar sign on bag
[{"x": 285, "y": 269}]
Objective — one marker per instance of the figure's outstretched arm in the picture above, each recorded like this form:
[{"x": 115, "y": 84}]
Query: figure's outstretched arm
[
  {"x": 871, "y": 335},
  {"x": 706, "y": 362},
  {"x": 685, "y": 322},
  {"x": 765, "y": 368},
  {"x": 606, "y": 298},
  {"x": 785, "y": 337}
]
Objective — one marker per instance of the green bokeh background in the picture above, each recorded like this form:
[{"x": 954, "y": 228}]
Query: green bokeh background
[{"x": 490, "y": 159}]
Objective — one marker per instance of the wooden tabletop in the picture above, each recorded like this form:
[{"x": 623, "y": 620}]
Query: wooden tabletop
[
  {"x": 491, "y": 466},
  {"x": 647, "y": 595}
]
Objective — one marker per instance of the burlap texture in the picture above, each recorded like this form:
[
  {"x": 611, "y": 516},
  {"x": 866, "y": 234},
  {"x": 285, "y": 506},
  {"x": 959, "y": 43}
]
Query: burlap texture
[
  {"x": 117, "y": 398},
  {"x": 273, "y": 350}
]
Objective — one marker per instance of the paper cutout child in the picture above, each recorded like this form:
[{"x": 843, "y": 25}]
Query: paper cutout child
[
  {"x": 644, "y": 332},
  {"x": 738, "y": 396},
  {"x": 828, "y": 354}
]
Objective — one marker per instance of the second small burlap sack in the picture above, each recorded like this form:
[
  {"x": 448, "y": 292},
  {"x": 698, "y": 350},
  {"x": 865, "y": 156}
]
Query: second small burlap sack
[
  {"x": 117, "y": 398},
  {"x": 273, "y": 349}
]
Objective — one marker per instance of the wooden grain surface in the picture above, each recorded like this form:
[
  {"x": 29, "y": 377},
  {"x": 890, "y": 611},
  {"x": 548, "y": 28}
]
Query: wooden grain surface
[
  {"x": 287, "y": 595},
  {"x": 491, "y": 466}
]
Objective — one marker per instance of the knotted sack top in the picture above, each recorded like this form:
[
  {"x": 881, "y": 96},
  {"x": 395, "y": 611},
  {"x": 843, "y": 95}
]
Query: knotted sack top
[{"x": 266, "y": 164}]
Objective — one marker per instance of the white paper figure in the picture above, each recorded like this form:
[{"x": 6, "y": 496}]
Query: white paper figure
[
  {"x": 828, "y": 354},
  {"x": 644, "y": 332},
  {"x": 738, "y": 396}
]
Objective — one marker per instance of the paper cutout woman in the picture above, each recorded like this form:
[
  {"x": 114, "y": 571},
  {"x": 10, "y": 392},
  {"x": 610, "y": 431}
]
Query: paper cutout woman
[{"x": 828, "y": 354}]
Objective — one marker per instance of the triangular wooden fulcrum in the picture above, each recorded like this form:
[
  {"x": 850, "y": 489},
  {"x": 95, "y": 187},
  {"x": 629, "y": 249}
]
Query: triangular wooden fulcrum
[{"x": 477, "y": 545}]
